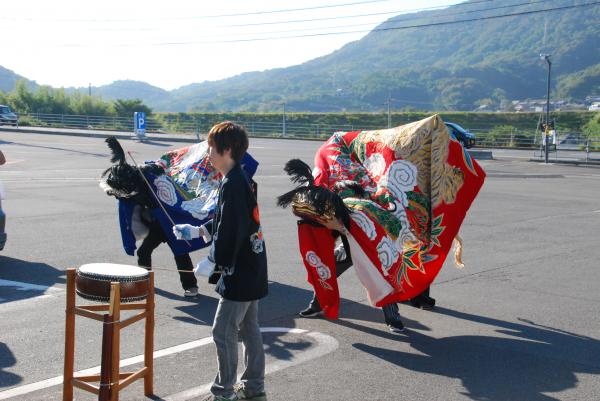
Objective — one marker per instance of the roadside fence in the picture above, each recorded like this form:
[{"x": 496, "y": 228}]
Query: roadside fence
[{"x": 489, "y": 137}]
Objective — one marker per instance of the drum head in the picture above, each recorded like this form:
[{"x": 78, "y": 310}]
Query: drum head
[{"x": 93, "y": 281}]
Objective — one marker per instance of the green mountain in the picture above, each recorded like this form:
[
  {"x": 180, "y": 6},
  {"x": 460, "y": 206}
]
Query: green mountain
[
  {"x": 420, "y": 61},
  {"x": 441, "y": 67},
  {"x": 127, "y": 89},
  {"x": 8, "y": 79}
]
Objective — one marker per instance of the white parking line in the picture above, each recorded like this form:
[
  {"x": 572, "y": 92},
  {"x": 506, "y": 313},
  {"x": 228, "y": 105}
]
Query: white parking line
[
  {"x": 27, "y": 286},
  {"x": 46, "y": 291},
  {"x": 326, "y": 344},
  {"x": 49, "y": 179}
]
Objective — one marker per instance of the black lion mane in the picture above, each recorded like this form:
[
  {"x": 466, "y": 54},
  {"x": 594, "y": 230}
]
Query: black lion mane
[{"x": 123, "y": 180}]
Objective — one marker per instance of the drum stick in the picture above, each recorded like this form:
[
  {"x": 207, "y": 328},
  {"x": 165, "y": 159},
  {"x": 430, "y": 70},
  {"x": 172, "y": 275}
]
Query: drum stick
[
  {"x": 170, "y": 270},
  {"x": 154, "y": 193}
]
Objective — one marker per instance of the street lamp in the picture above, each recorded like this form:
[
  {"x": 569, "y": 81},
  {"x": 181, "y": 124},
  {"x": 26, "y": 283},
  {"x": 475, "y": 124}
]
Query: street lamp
[{"x": 544, "y": 56}]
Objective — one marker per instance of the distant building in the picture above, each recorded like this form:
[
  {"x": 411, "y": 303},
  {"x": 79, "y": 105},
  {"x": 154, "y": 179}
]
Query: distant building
[{"x": 539, "y": 105}]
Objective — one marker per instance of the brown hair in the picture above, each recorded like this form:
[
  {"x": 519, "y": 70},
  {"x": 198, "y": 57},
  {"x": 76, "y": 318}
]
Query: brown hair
[{"x": 228, "y": 135}]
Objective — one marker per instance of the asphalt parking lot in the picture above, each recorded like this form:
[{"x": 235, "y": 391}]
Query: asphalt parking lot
[{"x": 519, "y": 322}]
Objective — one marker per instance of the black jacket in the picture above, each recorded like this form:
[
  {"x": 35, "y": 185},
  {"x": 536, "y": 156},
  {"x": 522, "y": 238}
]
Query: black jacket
[{"x": 238, "y": 248}]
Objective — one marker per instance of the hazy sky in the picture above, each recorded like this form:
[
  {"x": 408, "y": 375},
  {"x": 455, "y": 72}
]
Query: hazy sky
[{"x": 177, "y": 42}]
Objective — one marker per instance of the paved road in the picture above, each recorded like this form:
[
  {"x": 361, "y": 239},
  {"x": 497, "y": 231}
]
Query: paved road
[{"x": 520, "y": 322}]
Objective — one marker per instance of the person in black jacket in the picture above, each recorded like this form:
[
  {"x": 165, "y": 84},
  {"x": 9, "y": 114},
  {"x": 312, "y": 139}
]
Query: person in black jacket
[{"x": 239, "y": 259}]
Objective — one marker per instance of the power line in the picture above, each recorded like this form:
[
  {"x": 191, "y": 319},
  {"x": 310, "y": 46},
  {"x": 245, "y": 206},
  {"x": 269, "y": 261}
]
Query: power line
[
  {"x": 356, "y": 15},
  {"x": 385, "y": 29},
  {"x": 389, "y": 28},
  {"x": 397, "y": 12},
  {"x": 399, "y": 19},
  {"x": 208, "y": 16}
]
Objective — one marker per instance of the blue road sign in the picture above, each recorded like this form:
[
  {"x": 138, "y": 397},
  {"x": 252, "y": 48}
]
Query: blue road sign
[
  {"x": 139, "y": 118},
  {"x": 139, "y": 124}
]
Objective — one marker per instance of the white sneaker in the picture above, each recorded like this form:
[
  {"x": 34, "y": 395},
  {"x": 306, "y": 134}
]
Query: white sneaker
[{"x": 191, "y": 292}]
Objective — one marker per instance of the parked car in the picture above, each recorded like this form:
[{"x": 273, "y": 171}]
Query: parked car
[
  {"x": 466, "y": 138},
  {"x": 7, "y": 116}
]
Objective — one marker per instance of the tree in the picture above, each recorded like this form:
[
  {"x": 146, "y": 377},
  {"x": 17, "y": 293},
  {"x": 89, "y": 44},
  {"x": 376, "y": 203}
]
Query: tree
[
  {"x": 126, "y": 107},
  {"x": 592, "y": 127},
  {"x": 21, "y": 99}
]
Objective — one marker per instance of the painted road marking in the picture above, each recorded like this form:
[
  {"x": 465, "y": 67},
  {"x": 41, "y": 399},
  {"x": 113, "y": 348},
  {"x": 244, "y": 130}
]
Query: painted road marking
[
  {"x": 326, "y": 344},
  {"x": 47, "y": 291},
  {"x": 21, "y": 286},
  {"x": 51, "y": 179}
]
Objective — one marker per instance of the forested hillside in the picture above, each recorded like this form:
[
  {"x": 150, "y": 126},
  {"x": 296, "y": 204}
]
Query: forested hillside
[{"x": 422, "y": 61}]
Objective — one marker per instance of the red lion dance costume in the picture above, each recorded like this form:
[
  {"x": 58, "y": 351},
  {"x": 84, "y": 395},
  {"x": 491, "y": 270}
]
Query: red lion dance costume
[{"x": 405, "y": 193}]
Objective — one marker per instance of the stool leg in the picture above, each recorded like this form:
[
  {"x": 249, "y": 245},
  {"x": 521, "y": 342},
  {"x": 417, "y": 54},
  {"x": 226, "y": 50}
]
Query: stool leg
[
  {"x": 115, "y": 311},
  {"x": 69, "y": 337},
  {"x": 149, "y": 340},
  {"x": 106, "y": 365}
]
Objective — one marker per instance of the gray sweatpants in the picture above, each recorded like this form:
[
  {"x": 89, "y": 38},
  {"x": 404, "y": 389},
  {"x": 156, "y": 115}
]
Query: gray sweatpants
[{"x": 233, "y": 317}]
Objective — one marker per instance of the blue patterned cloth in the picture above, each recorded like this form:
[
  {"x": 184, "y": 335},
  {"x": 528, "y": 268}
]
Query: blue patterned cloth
[{"x": 188, "y": 191}]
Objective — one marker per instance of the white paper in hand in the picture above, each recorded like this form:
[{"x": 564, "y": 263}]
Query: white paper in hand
[{"x": 204, "y": 268}]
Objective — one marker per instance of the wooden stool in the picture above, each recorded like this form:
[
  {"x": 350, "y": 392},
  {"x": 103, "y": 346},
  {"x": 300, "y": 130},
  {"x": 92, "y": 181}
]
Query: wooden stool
[{"x": 114, "y": 286}]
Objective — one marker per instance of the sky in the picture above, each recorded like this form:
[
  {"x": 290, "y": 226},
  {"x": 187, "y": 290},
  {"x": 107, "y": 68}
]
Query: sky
[{"x": 172, "y": 43}]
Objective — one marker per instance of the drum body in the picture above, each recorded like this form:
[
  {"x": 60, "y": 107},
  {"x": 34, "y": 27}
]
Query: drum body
[{"x": 93, "y": 281}]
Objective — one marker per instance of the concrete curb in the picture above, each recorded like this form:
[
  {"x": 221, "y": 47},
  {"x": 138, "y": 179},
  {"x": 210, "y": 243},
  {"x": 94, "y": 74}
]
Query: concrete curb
[
  {"x": 481, "y": 154},
  {"x": 593, "y": 162}
]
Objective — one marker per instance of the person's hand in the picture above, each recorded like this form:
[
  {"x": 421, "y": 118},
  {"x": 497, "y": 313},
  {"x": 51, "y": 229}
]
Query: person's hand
[
  {"x": 204, "y": 268},
  {"x": 186, "y": 231},
  {"x": 205, "y": 234}
]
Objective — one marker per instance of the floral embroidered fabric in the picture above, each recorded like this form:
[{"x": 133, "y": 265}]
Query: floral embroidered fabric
[{"x": 420, "y": 182}]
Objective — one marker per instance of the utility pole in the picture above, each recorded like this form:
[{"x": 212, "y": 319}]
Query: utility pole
[
  {"x": 283, "y": 119},
  {"x": 389, "y": 115},
  {"x": 388, "y": 102},
  {"x": 546, "y": 57},
  {"x": 90, "y": 89}
]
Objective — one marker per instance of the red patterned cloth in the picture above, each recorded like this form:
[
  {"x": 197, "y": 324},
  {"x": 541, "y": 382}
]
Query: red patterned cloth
[
  {"x": 420, "y": 182},
  {"x": 316, "y": 246}
]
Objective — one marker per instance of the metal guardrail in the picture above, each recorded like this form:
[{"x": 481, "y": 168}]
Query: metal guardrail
[
  {"x": 486, "y": 137},
  {"x": 255, "y": 128},
  {"x": 84, "y": 121}
]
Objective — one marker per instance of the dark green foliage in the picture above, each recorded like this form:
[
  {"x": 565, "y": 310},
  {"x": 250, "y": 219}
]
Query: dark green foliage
[
  {"x": 580, "y": 84},
  {"x": 126, "y": 108},
  {"x": 46, "y": 100},
  {"x": 592, "y": 128}
]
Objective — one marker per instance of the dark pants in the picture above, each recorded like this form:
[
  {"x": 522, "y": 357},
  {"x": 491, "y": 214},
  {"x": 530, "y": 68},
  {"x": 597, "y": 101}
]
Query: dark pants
[{"x": 155, "y": 237}]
